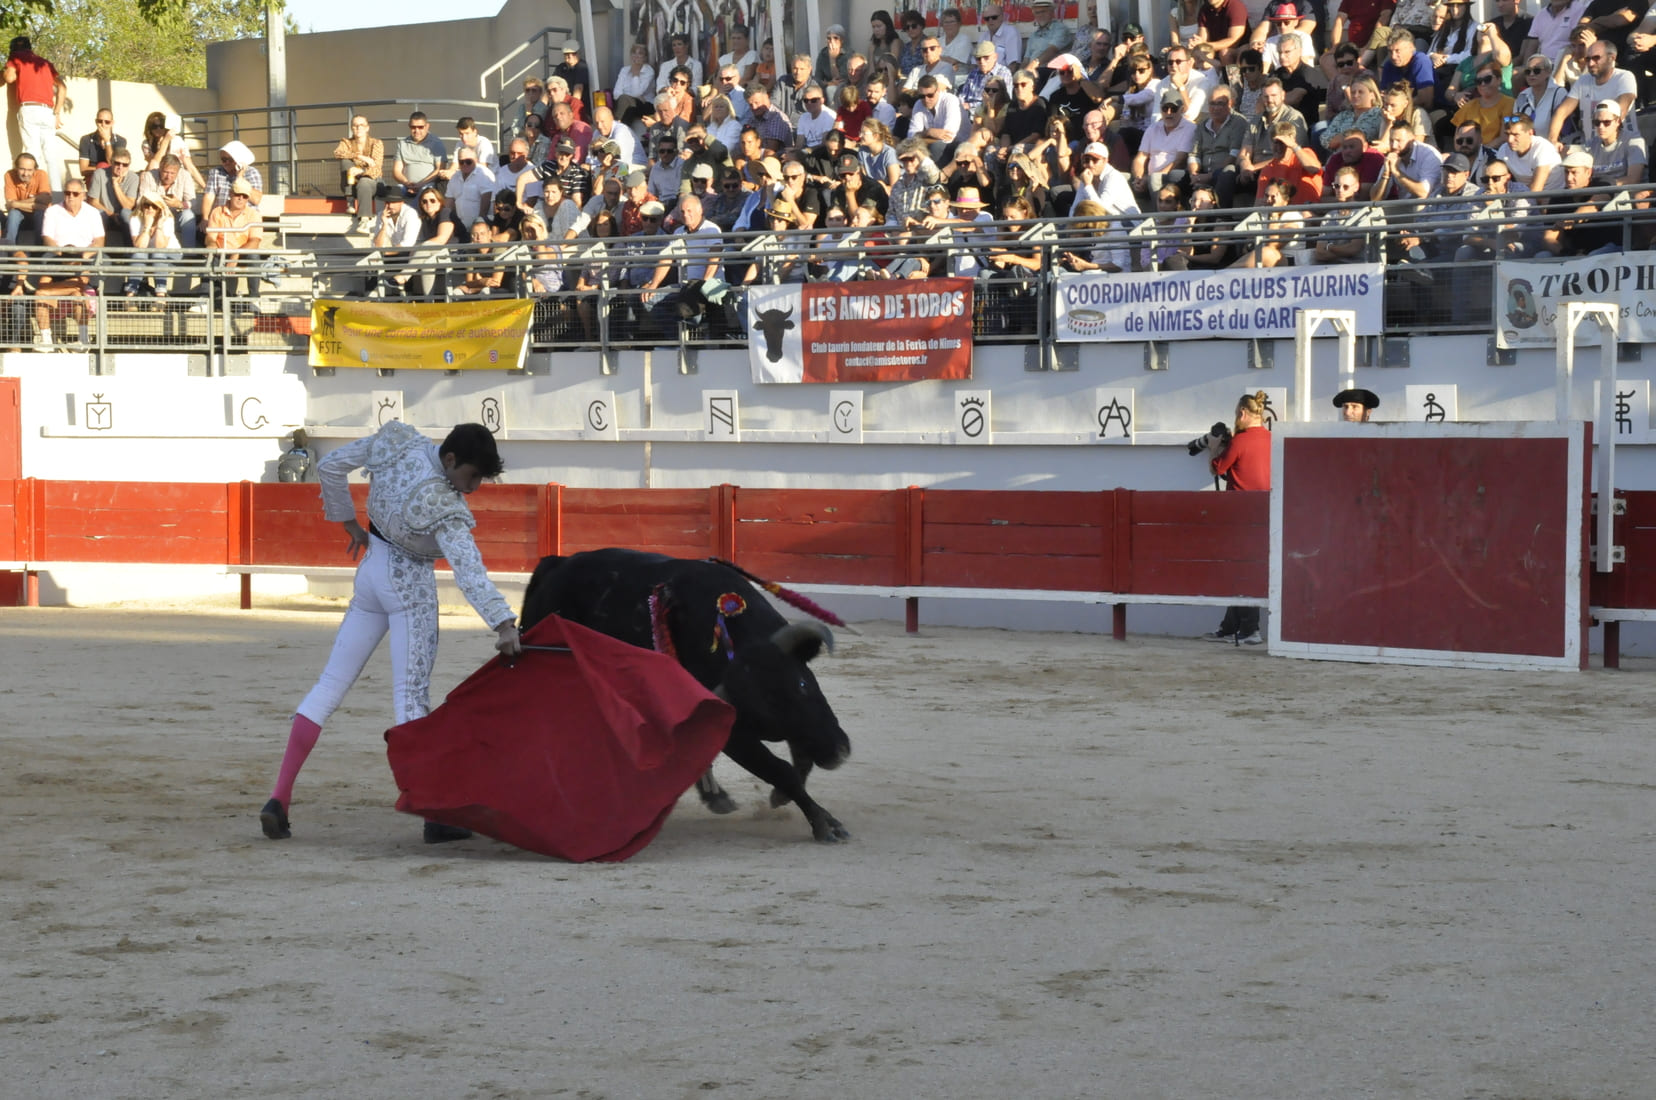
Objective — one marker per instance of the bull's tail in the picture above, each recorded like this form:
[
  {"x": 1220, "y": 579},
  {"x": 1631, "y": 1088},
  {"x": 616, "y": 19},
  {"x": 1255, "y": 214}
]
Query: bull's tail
[{"x": 789, "y": 596}]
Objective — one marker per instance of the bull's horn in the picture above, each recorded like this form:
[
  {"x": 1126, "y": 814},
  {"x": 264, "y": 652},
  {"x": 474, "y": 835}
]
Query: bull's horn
[
  {"x": 720, "y": 692},
  {"x": 794, "y": 633}
]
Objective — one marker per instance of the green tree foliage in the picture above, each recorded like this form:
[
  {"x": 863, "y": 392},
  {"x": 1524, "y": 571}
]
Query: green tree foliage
[{"x": 147, "y": 42}]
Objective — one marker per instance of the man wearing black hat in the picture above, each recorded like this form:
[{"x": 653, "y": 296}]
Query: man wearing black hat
[
  {"x": 40, "y": 95},
  {"x": 1356, "y": 405},
  {"x": 574, "y": 71}
]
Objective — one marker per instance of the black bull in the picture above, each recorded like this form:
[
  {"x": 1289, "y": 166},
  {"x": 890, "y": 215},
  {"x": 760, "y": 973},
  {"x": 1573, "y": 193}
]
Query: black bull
[{"x": 751, "y": 656}]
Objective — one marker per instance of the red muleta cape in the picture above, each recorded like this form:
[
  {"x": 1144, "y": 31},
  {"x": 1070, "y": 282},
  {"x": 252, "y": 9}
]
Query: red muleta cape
[{"x": 579, "y": 755}]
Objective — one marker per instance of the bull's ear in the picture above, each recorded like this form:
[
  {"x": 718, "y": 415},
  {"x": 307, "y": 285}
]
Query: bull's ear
[{"x": 803, "y": 640}]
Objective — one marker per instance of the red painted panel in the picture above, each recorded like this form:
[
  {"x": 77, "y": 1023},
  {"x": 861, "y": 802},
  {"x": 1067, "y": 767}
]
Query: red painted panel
[
  {"x": 794, "y": 569},
  {"x": 1199, "y": 542},
  {"x": 157, "y": 497},
  {"x": 1224, "y": 509},
  {"x": 1083, "y": 574},
  {"x": 957, "y": 538},
  {"x": 690, "y": 502},
  {"x": 817, "y": 505},
  {"x": 11, "y": 430},
  {"x": 641, "y": 532},
  {"x": 1153, "y": 577},
  {"x": 1443, "y": 544},
  {"x": 133, "y": 522},
  {"x": 155, "y": 548},
  {"x": 1633, "y": 583},
  {"x": 997, "y": 506},
  {"x": 11, "y": 547},
  {"x": 846, "y": 539}
]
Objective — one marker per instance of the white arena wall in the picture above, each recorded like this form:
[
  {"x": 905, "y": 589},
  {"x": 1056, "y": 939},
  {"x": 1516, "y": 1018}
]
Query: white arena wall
[{"x": 183, "y": 418}]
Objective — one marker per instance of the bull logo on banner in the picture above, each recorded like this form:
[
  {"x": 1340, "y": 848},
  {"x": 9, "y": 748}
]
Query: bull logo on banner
[{"x": 773, "y": 323}]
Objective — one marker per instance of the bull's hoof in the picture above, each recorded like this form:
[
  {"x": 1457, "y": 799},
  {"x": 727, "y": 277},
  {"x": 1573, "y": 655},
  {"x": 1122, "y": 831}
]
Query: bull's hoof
[
  {"x": 438, "y": 833},
  {"x": 779, "y": 798},
  {"x": 829, "y": 831},
  {"x": 720, "y": 803},
  {"x": 274, "y": 821}
]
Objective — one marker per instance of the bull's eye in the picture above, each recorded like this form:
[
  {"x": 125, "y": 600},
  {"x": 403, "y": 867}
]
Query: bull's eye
[{"x": 803, "y": 690}]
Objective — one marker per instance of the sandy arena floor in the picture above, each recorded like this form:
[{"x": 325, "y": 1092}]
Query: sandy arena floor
[{"x": 1080, "y": 868}]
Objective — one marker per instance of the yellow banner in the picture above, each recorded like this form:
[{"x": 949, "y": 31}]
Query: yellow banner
[{"x": 490, "y": 334}]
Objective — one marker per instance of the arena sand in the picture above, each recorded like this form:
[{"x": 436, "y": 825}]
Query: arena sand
[{"x": 1080, "y": 868}]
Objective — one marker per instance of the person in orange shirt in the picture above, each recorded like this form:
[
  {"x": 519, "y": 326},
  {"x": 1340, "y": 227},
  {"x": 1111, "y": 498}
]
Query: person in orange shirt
[
  {"x": 235, "y": 228},
  {"x": 27, "y": 196},
  {"x": 1294, "y": 163}
]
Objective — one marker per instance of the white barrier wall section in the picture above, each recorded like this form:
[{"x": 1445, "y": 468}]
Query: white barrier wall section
[{"x": 1043, "y": 427}]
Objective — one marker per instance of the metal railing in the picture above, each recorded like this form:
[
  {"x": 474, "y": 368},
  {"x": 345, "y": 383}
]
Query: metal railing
[
  {"x": 589, "y": 294},
  {"x": 500, "y": 81},
  {"x": 306, "y": 166}
]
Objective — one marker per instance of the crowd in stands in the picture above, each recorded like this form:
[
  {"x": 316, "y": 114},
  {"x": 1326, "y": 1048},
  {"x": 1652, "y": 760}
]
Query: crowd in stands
[{"x": 1270, "y": 122}]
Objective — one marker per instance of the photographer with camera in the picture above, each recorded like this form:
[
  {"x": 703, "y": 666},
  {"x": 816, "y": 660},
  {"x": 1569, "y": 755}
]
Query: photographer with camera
[{"x": 1245, "y": 464}]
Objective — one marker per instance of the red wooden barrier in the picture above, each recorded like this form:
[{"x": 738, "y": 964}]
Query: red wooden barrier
[
  {"x": 1633, "y": 583},
  {"x": 826, "y": 536},
  {"x": 1009, "y": 539},
  {"x": 1200, "y": 544},
  {"x": 11, "y": 430},
  {"x": 128, "y": 521},
  {"x": 1117, "y": 541},
  {"x": 679, "y": 522}
]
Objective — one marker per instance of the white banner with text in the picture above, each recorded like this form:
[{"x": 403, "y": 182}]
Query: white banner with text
[
  {"x": 1203, "y": 305},
  {"x": 1528, "y": 293}
]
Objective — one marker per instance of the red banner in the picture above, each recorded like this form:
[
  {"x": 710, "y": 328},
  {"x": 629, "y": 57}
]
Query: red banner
[{"x": 878, "y": 331}]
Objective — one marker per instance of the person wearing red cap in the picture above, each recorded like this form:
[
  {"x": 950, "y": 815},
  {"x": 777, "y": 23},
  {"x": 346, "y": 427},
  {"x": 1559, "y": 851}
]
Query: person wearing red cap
[
  {"x": 1282, "y": 19},
  {"x": 40, "y": 93}
]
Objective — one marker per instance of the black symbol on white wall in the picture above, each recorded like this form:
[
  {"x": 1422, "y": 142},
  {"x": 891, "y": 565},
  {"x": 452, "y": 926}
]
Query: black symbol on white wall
[
  {"x": 598, "y": 416},
  {"x": 721, "y": 412},
  {"x": 1115, "y": 413}
]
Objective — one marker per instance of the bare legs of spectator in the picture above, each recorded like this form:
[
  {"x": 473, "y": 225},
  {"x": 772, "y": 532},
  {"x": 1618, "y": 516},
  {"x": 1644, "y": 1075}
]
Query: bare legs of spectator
[{"x": 48, "y": 288}]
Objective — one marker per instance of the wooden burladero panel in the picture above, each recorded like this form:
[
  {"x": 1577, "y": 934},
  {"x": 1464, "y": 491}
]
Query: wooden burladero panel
[{"x": 1458, "y": 545}]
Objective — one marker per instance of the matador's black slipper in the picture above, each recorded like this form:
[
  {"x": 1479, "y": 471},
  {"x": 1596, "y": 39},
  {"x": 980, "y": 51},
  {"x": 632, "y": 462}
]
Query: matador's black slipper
[{"x": 274, "y": 821}]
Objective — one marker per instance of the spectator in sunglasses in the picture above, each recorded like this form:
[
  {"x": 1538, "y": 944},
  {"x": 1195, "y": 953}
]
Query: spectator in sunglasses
[
  {"x": 1541, "y": 95},
  {"x": 1487, "y": 105}
]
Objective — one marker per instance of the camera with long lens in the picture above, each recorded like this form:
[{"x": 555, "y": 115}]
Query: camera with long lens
[{"x": 1213, "y": 442}]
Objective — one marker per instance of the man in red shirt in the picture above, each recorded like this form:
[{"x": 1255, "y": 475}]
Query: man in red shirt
[
  {"x": 1223, "y": 25},
  {"x": 39, "y": 104},
  {"x": 1353, "y": 150}
]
